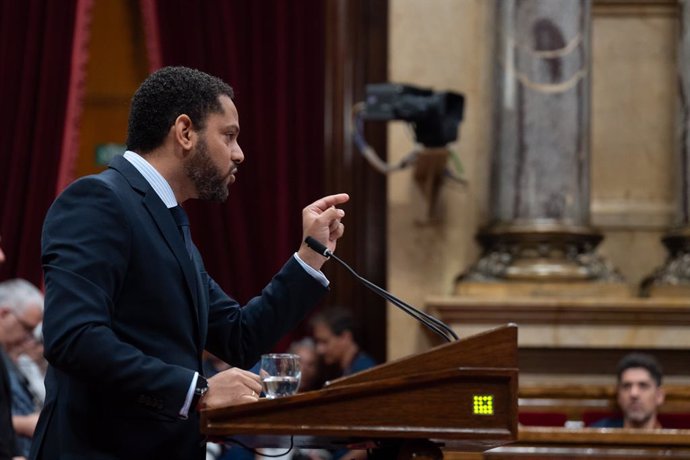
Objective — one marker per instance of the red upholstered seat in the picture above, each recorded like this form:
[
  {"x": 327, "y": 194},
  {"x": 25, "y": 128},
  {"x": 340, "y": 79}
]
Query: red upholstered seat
[{"x": 677, "y": 420}]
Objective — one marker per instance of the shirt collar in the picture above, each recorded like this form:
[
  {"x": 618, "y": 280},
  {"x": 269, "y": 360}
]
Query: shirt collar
[{"x": 153, "y": 177}]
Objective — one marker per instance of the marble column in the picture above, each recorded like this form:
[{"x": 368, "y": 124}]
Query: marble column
[
  {"x": 673, "y": 278},
  {"x": 539, "y": 228}
]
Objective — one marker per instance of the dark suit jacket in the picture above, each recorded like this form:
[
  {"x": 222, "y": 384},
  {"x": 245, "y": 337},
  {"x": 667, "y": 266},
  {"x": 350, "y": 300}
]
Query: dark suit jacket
[
  {"x": 127, "y": 315},
  {"x": 610, "y": 422},
  {"x": 8, "y": 447}
]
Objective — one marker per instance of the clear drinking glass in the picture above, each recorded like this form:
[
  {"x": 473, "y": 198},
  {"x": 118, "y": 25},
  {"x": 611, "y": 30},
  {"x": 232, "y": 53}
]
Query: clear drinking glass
[{"x": 280, "y": 374}]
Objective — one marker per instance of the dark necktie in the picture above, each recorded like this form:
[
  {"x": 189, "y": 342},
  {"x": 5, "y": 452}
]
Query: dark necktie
[{"x": 182, "y": 222}]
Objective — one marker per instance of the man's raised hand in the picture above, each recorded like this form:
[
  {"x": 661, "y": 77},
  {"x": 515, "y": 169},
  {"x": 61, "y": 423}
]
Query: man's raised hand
[{"x": 322, "y": 221}]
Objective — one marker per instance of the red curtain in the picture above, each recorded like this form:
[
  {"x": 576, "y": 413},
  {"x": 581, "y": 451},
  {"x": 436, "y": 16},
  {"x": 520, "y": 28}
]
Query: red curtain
[
  {"x": 272, "y": 53},
  {"x": 42, "y": 56}
]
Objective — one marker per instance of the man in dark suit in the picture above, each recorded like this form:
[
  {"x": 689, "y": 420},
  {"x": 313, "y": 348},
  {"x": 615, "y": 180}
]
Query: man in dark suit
[{"x": 129, "y": 307}]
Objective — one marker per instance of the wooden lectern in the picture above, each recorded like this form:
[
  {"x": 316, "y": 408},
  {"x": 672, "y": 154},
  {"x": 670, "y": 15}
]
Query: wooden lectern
[{"x": 461, "y": 395}]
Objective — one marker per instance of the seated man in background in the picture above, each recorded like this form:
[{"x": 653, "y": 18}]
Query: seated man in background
[
  {"x": 639, "y": 393},
  {"x": 309, "y": 363},
  {"x": 21, "y": 311},
  {"x": 336, "y": 343},
  {"x": 8, "y": 444}
]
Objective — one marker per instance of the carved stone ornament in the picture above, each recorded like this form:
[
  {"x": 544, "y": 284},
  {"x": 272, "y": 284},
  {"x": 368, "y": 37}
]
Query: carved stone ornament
[
  {"x": 541, "y": 251},
  {"x": 676, "y": 271}
]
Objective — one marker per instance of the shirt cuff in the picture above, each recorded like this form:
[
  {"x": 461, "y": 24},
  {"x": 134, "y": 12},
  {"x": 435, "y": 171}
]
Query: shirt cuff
[
  {"x": 316, "y": 274},
  {"x": 184, "y": 412}
]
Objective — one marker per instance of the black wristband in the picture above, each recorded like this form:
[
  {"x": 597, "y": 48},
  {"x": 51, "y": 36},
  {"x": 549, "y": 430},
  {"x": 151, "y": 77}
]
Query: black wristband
[{"x": 200, "y": 390}]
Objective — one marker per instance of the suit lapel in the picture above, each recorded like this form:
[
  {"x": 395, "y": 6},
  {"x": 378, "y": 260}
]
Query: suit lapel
[{"x": 166, "y": 225}]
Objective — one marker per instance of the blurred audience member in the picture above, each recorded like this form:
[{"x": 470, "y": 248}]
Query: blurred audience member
[
  {"x": 32, "y": 364},
  {"x": 336, "y": 341},
  {"x": 639, "y": 393},
  {"x": 309, "y": 362},
  {"x": 21, "y": 311},
  {"x": 8, "y": 445}
]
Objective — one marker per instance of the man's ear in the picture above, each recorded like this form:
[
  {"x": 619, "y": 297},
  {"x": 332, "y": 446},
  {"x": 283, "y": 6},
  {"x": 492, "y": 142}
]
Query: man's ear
[
  {"x": 4, "y": 311},
  {"x": 660, "y": 396},
  {"x": 348, "y": 335},
  {"x": 183, "y": 132}
]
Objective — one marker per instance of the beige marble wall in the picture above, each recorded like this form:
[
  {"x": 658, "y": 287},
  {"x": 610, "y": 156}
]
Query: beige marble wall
[
  {"x": 446, "y": 45},
  {"x": 633, "y": 124},
  {"x": 443, "y": 44}
]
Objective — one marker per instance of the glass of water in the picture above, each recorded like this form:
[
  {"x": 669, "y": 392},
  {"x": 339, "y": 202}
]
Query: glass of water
[{"x": 280, "y": 374}]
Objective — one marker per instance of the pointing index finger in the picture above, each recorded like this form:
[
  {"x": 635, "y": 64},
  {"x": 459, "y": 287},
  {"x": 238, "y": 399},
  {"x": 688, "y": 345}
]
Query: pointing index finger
[{"x": 331, "y": 200}]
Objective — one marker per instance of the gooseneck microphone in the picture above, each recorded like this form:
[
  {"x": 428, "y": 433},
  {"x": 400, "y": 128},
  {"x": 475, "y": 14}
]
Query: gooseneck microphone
[{"x": 436, "y": 325}]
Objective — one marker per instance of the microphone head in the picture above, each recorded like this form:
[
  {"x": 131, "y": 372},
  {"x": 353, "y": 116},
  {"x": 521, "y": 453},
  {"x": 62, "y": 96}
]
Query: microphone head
[{"x": 318, "y": 247}]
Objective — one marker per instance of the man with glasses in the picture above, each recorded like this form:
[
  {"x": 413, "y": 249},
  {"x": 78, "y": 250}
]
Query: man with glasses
[{"x": 21, "y": 311}]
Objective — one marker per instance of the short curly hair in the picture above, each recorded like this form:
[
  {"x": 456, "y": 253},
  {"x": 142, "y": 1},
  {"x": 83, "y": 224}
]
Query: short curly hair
[{"x": 167, "y": 94}]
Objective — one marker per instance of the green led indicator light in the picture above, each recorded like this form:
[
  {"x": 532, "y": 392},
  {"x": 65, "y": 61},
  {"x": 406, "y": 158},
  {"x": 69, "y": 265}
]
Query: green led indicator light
[{"x": 483, "y": 404}]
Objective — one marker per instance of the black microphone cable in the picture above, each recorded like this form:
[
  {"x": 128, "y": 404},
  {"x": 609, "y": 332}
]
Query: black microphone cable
[{"x": 436, "y": 325}]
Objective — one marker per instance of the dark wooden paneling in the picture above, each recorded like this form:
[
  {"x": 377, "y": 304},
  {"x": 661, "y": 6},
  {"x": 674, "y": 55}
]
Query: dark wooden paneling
[
  {"x": 562, "y": 443},
  {"x": 430, "y": 395},
  {"x": 357, "y": 54},
  {"x": 587, "y": 361}
]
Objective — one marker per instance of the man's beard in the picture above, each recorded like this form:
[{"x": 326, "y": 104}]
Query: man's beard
[
  {"x": 639, "y": 418},
  {"x": 208, "y": 180}
]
